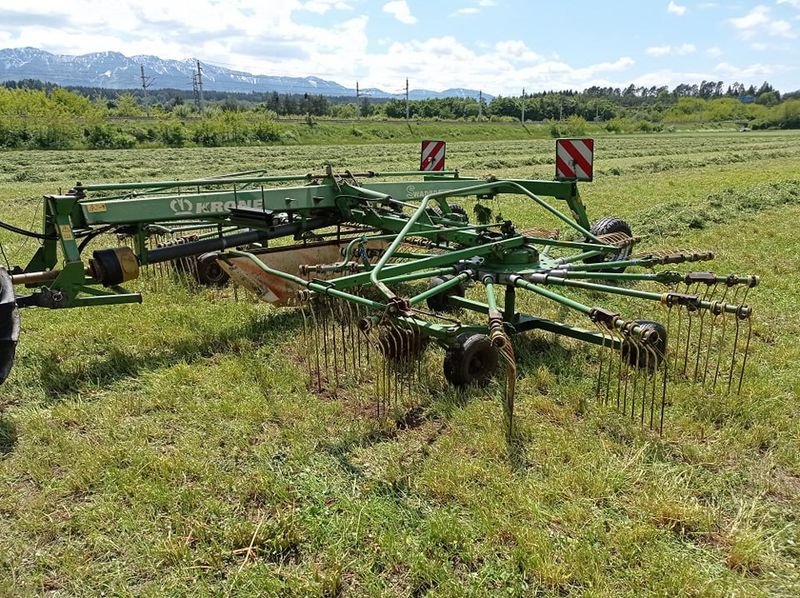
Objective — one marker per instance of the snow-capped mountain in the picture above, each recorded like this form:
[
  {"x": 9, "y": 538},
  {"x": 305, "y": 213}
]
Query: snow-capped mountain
[{"x": 117, "y": 71}]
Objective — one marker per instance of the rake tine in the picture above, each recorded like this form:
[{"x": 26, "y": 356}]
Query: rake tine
[
  {"x": 509, "y": 390},
  {"x": 746, "y": 352},
  {"x": 324, "y": 328},
  {"x": 333, "y": 342},
  {"x": 710, "y": 291},
  {"x": 353, "y": 338},
  {"x": 646, "y": 385},
  {"x": 315, "y": 334},
  {"x": 632, "y": 372},
  {"x": 733, "y": 354},
  {"x": 720, "y": 346},
  {"x": 597, "y": 393},
  {"x": 306, "y": 344},
  {"x": 677, "y": 341},
  {"x": 621, "y": 340},
  {"x": 710, "y": 342},
  {"x": 344, "y": 337}
]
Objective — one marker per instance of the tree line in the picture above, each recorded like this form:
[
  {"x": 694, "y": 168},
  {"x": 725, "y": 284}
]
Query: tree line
[{"x": 43, "y": 115}]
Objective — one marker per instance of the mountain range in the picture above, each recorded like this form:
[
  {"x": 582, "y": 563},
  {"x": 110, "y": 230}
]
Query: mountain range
[{"x": 116, "y": 71}]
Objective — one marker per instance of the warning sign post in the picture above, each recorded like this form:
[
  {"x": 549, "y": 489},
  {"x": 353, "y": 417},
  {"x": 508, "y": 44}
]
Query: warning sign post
[
  {"x": 574, "y": 159},
  {"x": 431, "y": 156}
]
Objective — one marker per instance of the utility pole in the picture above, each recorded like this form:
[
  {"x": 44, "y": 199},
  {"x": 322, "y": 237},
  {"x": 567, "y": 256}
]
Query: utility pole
[
  {"x": 407, "y": 110},
  {"x": 523, "y": 105},
  {"x": 480, "y": 104},
  {"x": 146, "y": 82},
  {"x": 194, "y": 92},
  {"x": 358, "y": 105},
  {"x": 200, "y": 85}
]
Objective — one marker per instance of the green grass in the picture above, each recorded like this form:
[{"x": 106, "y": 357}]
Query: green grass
[{"x": 145, "y": 449}]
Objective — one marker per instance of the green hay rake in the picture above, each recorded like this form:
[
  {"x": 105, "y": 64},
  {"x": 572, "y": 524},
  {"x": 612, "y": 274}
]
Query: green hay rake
[{"x": 385, "y": 266}]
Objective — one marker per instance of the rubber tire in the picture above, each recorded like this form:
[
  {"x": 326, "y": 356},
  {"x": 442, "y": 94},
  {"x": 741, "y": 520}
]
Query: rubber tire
[
  {"x": 439, "y": 302},
  {"x": 9, "y": 325},
  {"x": 635, "y": 359},
  {"x": 605, "y": 226},
  {"x": 209, "y": 273},
  {"x": 473, "y": 362}
]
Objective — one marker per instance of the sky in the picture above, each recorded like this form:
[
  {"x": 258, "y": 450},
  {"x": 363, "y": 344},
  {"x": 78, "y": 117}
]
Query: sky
[{"x": 498, "y": 46}]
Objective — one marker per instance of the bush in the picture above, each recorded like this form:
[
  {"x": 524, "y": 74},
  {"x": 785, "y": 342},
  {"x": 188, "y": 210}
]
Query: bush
[
  {"x": 108, "y": 137},
  {"x": 55, "y": 135},
  {"x": 172, "y": 133},
  {"x": 266, "y": 130}
]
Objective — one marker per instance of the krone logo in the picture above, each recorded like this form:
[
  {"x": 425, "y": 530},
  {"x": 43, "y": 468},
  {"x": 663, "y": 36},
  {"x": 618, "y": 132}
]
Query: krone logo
[{"x": 181, "y": 205}]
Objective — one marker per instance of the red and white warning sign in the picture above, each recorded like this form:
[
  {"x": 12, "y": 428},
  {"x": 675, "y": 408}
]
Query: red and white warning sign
[
  {"x": 574, "y": 159},
  {"x": 432, "y": 155}
]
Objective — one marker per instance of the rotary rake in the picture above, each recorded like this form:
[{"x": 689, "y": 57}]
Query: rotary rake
[{"x": 387, "y": 267}]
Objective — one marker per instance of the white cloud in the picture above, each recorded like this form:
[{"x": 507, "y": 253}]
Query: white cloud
[
  {"x": 676, "y": 9},
  {"x": 759, "y": 46},
  {"x": 714, "y": 52},
  {"x": 323, "y": 6},
  {"x": 759, "y": 22},
  {"x": 755, "y": 18},
  {"x": 681, "y": 50},
  {"x": 399, "y": 10},
  {"x": 793, "y": 3},
  {"x": 658, "y": 50},
  {"x": 473, "y": 10}
]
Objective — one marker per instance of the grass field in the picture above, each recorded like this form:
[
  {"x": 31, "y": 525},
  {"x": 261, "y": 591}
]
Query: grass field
[{"x": 173, "y": 448}]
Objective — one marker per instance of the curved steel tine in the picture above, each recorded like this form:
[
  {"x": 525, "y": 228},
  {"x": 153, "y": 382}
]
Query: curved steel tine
[
  {"x": 746, "y": 352},
  {"x": 306, "y": 344},
  {"x": 710, "y": 290},
  {"x": 324, "y": 334},
  {"x": 720, "y": 346},
  {"x": 602, "y": 400},
  {"x": 333, "y": 342},
  {"x": 358, "y": 339},
  {"x": 677, "y": 342},
  {"x": 343, "y": 338},
  {"x": 664, "y": 376},
  {"x": 646, "y": 385},
  {"x": 733, "y": 354},
  {"x": 315, "y": 332},
  {"x": 353, "y": 338},
  {"x": 620, "y": 361},
  {"x": 509, "y": 390}
]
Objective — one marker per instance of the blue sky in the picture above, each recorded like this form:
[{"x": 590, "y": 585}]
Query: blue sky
[{"x": 499, "y": 46}]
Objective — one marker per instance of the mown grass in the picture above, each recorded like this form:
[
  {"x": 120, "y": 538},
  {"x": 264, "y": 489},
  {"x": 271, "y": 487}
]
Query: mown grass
[{"x": 174, "y": 448}]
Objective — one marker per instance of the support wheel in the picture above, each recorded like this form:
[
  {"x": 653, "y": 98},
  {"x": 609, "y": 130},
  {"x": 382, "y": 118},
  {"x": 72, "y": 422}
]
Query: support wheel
[
  {"x": 607, "y": 226},
  {"x": 9, "y": 324},
  {"x": 643, "y": 358},
  {"x": 439, "y": 302},
  {"x": 473, "y": 361},
  {"x": 209, "y": 273}
]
